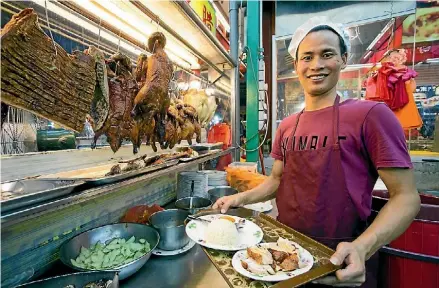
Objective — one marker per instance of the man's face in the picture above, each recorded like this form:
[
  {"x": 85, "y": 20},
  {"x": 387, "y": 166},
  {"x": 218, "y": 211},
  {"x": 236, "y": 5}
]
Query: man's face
[{"x": 319, "y": 62}]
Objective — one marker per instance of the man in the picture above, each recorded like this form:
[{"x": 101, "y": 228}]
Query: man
[{"x": 328, "y": 158}]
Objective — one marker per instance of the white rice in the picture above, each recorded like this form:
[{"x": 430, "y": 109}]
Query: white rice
[{"x": 222, "y": 232}]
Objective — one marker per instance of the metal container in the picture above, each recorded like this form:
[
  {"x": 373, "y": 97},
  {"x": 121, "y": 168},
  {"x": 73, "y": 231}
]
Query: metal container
[
  {"x": 192, "y": 183},
  {"x": 28, "y": 192},
  {"x": 76, "y": 279},
  {"x": 71, "y": 249},
  {"x": 170, "y": 225},
  {"x": 193, "y": 204},
  {"x": 221, "y": 191}
]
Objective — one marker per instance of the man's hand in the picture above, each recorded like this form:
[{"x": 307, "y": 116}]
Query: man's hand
[
  {"x": 226, "y": 202},
  {"x": 354, "y": 274}
]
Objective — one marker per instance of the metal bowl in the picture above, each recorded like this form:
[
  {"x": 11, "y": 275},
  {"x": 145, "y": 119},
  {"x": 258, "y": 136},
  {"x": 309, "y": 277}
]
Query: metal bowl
[
  {"x": 170, "y": 225},
  {"x": 76, "y": 279},
  {"x": 71, "y": 249},
  {"x": 218, "y": 192},
  {"x": 193, "y": 204}
]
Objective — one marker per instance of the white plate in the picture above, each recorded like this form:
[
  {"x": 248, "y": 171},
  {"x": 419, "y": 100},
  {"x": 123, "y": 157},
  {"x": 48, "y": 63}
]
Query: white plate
[
  {"x": 260, "y": 207},
  {"x": 160, "y": 252},
  {"x": 249, "y": 235},
  {"x": 305, "y": 257}
]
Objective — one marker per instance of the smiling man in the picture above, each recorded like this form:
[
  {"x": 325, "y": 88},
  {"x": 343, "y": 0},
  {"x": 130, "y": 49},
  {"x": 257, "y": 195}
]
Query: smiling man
[{"x": 328, "y": 158}]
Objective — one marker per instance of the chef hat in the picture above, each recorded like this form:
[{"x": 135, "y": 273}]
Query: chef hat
[{"x": 312, "y": 23}]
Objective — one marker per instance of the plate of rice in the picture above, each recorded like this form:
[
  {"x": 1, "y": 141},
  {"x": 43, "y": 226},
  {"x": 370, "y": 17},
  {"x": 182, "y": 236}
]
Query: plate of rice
[{"x": 220, "y": 232}]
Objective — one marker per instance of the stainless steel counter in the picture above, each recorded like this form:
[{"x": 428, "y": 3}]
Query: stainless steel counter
[{"x": 192, "y": 269}]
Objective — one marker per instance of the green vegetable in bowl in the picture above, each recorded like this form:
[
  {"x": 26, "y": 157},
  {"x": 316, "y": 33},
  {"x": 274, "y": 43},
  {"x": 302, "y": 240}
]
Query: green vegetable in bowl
[{"x": 113, "y": 254}]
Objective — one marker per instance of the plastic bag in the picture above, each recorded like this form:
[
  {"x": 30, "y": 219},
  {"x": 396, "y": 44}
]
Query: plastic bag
[{"x": 243, "y": 180}]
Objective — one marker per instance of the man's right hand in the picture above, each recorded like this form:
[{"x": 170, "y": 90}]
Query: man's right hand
[{"x": 226, "y": 202}]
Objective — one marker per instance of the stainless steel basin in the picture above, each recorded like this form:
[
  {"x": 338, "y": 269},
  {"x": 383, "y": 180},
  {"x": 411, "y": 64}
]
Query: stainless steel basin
[
  {"x": 170, "y": 225},
  {"x": 71, "y": 249}
]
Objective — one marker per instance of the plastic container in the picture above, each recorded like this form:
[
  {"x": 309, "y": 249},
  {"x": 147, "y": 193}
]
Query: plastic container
[
  {"x": 412, "y": 260},
  {"x": 247, "y": 166}
]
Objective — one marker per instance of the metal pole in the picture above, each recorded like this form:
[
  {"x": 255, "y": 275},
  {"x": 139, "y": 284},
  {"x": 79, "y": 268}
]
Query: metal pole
[
  {"x": 236, "y": 106},
  {"x": 252, "y": 104}
]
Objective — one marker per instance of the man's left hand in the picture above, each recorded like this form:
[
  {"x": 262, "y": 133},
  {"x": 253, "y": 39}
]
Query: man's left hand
[{"x": 354, "y": 274}]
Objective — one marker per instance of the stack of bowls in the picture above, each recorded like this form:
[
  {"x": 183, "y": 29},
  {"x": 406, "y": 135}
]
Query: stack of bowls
[{"x": 192, "y": 183}]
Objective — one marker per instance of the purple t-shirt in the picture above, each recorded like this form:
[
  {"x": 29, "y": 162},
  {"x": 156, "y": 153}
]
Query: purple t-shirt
[{"x": 370, "y": 138}]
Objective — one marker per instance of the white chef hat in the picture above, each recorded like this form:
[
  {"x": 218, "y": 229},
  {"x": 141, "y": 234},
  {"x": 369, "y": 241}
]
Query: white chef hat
[{"x": 312, "y": 23}]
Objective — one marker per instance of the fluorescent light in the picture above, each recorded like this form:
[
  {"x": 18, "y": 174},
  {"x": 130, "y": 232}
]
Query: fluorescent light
[
  {"x": 432, "y": 60},
  {"x": 87, "y": 25},
  {"x": 387, "y": 27},
  {"x": 137, "y": 28},
  {"x": 176, "y": 53}
]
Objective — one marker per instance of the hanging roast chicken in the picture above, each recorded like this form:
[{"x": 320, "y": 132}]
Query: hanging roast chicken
[
  {"x": 123, "y": 88},
  {"x": 153, "y": 98}
]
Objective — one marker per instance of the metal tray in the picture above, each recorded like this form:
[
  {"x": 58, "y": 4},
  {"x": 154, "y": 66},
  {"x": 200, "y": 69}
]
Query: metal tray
[
  {"x": 201, "y": 154},
  {"x": 76, "y": 279},
  {"x": 123, "y": 176},
  {"x": 34, "y": 191},
  {"x": 206, "y": 146},
  {"x": 272, "y": 231}
]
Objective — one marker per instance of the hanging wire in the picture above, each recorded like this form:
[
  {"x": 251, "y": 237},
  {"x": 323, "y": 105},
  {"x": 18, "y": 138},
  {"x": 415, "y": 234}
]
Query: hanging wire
[
  {"x": 83, "y": 39},
  {"x": 50, "y": 32},
  {"x": 99, "y": 32},
  {"x": 393, "y": 27},
  {"x": 266, "y": 111},
  {"x": 118, "y": 43},
  {"x": 413, "y": 68},
  {"x": 414, "y": 43}
]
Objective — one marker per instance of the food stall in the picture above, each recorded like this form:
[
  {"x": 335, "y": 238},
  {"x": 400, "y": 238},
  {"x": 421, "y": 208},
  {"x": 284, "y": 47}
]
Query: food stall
[
  {"x": 137, "y": 84},
  {"x": 134, "y": 85},
  {"x": 49, "y": 196}
]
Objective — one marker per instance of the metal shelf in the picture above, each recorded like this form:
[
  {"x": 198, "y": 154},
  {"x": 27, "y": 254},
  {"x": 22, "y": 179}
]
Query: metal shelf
[{"x": 49, "y": 207}]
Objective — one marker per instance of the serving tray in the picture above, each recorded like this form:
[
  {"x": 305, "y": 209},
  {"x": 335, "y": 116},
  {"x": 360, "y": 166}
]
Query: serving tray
[
  {"x": 32, "y": 191},
  {"x": 272, "y": 231}
]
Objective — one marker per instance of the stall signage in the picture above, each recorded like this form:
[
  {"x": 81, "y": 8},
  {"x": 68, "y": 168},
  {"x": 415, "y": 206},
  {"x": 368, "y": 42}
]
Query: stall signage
[
  {"x": 423, "y": 24},
  {"x": 207, "y": 14}
]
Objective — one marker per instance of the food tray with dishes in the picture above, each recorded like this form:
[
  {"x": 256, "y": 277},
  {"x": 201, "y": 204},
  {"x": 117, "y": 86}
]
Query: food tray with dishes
[
  {"x": 21, "y": 193},
  {"x": 312, "y": 263}
]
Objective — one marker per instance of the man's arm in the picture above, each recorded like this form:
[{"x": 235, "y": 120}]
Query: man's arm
[
  {"x": 267, "y": 189},
  {"x": 394, "y": 218}
]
